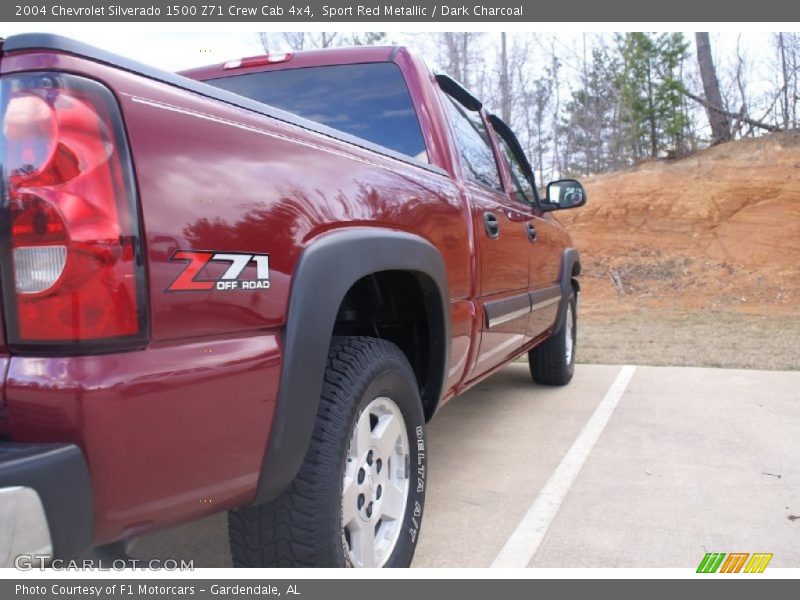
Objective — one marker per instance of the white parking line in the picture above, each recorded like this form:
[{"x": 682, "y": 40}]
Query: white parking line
[{"x": 526, "y": 538}]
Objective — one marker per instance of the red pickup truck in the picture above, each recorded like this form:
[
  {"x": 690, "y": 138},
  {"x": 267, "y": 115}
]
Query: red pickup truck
[{"x": 248, "y": 287}]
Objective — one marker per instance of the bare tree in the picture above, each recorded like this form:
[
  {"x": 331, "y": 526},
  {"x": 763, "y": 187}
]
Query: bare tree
[
  {"x": 788, "y": 49},
  {"x": 742, "y": 87},
  {"x": 263, "y": 37},
  {"x": 306, "y": 40},
  {"x": 794, "y": 65},
  {"x": 505, "y": 80},
  {"x": 717, "y": 119},
  {"x": 504, "y": 89},
  {"x": 781, "y": 43},
  {"x": 459, "y": 53},
  {"x": 555, "y": 66}
]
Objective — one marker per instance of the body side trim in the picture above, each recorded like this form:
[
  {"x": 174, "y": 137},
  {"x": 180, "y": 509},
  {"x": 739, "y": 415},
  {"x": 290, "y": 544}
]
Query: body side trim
[
  {"x": 507, "y": 309},
  {"x": 514, "y": 307},
  {"x": 545, "y": 297}
]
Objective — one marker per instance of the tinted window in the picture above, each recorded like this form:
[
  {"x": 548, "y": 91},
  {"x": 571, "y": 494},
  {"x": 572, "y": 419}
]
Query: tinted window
[
  {"x": 473, "y": 145},
  {"x": 522, "y": 184},
  {"x": 368, "y": 100}
]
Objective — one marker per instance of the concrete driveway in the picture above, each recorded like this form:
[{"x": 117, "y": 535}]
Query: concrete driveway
[{"x": 644, "y": 467}]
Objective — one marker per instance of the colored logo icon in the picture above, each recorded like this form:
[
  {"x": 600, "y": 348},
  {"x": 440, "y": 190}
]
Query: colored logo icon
[{"x": 734, "y": 562}]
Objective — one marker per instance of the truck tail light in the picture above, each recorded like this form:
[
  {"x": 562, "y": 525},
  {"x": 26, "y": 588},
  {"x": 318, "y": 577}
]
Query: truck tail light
[{"x": 72, "y": 268}]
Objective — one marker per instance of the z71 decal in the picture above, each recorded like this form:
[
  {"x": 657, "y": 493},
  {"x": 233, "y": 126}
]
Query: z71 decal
[{"x": 196, "y": 260}]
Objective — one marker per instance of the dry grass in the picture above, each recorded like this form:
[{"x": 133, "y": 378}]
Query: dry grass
[{"x": 702, "y": 339}]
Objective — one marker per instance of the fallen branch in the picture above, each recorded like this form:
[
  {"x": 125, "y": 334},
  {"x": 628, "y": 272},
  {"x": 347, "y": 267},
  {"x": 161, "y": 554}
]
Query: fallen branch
[
  {"x": 616, "y": 281},
  {"x": 730, "y": 115}
]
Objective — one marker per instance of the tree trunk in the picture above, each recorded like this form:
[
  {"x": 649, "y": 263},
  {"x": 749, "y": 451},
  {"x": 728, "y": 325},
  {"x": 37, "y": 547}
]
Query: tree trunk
[
  {"x": 720, "y": 125},
  {"x": 556, "y": 163},
  {"x": 465, "y": 58},
  {"x": 505, "y": 85},
  {"x": 651, "y": 109},
  {"x": 785, "y": 75}
]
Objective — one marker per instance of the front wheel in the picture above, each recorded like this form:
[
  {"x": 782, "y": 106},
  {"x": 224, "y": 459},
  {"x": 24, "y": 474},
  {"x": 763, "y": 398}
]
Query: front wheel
[
  {"x": 358, "y": 498},
  {"x": 553, "y": 361}
]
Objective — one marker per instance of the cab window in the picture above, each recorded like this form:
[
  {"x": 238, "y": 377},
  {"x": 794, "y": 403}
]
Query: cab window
[
  {"x": 473, "y": 144},
  {"x": 368, "y": 100}
]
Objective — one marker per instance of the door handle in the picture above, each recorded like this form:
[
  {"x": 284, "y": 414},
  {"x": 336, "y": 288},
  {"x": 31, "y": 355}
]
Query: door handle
[
  {"x": 492, "y": 225},
  {"x": 530, "y": 229}
]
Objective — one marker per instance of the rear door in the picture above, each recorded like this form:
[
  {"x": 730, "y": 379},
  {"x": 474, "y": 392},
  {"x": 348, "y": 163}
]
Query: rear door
[{"x": 502, "y": 246}]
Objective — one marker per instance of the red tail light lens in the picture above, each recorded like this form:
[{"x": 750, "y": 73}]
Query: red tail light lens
[{"x": 72, "y": 268}]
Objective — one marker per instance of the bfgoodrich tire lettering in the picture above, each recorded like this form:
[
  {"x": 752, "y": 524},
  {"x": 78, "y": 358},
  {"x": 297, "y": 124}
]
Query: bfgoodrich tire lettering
[{"x": 304, "y": 526}]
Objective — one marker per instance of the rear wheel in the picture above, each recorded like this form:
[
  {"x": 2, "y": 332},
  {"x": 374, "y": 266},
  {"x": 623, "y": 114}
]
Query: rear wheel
[
  {"x": 553, "y": 361},
  {"x": 358, "y": 498}
]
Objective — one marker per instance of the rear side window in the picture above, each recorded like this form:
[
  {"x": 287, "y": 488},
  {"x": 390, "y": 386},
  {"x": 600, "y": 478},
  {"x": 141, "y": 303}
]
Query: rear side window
[
  {"x": 369, "y": 100},
  {"x": 473, "y": 145}
]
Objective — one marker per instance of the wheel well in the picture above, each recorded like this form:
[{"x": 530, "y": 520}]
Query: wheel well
[{"x": 392, "y": 305}]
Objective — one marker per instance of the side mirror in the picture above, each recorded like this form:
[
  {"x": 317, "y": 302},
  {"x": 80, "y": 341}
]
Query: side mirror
[{"x": 563, "y": 194}]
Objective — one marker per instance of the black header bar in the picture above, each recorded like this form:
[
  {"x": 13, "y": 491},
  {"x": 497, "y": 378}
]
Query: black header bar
[{"x": 396, "y": 11}]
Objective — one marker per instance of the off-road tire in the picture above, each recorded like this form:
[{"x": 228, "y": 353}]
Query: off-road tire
[
  {"x": 303, "y": 526},
  {"x": 548, "y": 361}
]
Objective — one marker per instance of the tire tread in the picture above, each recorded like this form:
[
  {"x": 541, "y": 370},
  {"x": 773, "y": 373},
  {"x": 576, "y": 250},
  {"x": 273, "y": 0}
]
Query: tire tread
[
  {"x": 546, "y": 361},
  {"x": 294, "y": 529}
]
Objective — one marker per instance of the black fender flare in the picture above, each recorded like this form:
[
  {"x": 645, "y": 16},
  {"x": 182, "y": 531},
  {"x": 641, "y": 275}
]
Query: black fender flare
[
  {"x": 325, "y": 271},
  {"x": 569, "y": 259}
]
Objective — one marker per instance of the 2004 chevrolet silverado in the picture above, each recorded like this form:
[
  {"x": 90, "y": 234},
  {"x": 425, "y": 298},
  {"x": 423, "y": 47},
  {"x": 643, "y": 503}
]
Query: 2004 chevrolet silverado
[{"x": 248, "y": 287}]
